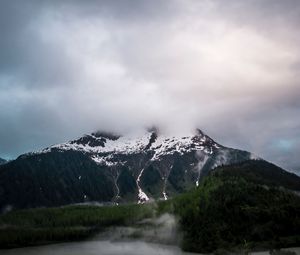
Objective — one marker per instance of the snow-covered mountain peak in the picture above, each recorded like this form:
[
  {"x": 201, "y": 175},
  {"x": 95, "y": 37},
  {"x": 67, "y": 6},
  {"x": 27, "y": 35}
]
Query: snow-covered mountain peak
[
  {"x": 160, "y": 144},
  {"x": 141, "y": 165}
]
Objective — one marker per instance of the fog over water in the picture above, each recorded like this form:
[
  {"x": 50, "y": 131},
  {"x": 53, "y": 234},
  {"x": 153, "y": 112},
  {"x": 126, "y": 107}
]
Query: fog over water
[
  {"x": 109, "y": 248},
  {"x": 153, "y": 236},
  {"x": 98, "y": 248}
]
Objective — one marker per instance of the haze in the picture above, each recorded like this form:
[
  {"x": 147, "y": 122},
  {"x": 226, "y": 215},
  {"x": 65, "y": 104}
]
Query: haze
[{"x": 230, "y": 68}]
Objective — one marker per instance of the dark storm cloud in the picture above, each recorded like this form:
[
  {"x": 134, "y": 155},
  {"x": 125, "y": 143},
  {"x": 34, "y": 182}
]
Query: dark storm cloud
[{"x": 70, "y": 67}]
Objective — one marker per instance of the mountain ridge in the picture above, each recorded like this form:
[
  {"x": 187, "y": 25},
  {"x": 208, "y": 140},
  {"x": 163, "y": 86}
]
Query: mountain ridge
[
  {"x": 2, "y": 161},
  {"x": 111, "y": 168}
]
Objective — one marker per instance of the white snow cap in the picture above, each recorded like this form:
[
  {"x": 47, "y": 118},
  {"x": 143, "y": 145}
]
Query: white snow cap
[{"x": 102, "y": 146}]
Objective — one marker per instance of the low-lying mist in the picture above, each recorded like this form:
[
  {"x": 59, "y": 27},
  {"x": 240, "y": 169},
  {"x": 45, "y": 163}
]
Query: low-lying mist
[{"x": 163, "y": 230}]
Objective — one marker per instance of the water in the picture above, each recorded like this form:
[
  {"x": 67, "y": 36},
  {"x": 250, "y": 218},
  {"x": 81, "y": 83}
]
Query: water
[
  {"x": 108, "y": 248},
  {"x": 98, "y": 248}
]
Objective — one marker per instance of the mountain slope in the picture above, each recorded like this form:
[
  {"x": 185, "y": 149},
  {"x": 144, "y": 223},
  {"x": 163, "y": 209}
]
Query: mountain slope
[
  {"x": 240, "y": 206},
  {"x": 2, "y": 161},
  {"x": 111, "y": 168},
  {"x": 56, "y": 179},
  {"x": 260, "y": 172}
]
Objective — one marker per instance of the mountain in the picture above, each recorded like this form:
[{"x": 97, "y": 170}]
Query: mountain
[
  {"x": 110, "y": 168},
  {"x": 2, "y": 161}
]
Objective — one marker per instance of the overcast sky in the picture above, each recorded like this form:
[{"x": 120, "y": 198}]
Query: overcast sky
[{"x": 230, "y": 68}]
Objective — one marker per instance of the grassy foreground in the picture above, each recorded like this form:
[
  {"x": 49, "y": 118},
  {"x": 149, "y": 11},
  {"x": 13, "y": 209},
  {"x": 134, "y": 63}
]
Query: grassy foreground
[{"x": 71, "y": 223}]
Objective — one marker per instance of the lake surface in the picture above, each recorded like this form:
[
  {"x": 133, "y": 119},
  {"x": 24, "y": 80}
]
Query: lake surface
[
  {"x": 98, "y": 248},
  {"x": 108, "y": 248}
]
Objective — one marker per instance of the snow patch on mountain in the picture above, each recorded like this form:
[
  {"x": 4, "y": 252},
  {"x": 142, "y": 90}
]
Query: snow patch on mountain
[
  {"x": 142, "y": 197},
  {"x": 102, "y": 148},
  {"x": 254, "y": 157},
  {"x": 202, "y": 158}
]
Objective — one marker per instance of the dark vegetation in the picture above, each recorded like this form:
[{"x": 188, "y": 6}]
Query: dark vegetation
[
  {"x": 242, "y": 206},
  {"x": 71, "y": 223},
  {"x": 261, "y": 172},
  {"x": 59, "y": 179},
  {"x": 126, "y": 183},
  {"x": 2, "y": 161},
  {"x": 231, "y": 212},
  {"x": 245, "y": 206}
]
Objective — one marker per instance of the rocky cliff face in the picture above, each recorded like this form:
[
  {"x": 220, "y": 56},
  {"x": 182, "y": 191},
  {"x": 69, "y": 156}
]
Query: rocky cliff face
[{"x": 111, "y": 168}]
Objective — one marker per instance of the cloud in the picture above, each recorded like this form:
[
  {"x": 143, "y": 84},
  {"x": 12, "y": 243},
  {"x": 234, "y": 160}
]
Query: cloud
[{"x": 70, "y": 67}]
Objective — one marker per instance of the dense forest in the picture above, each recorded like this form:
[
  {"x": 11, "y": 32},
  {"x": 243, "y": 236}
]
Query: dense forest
[{"x": 229, "y": 210}]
